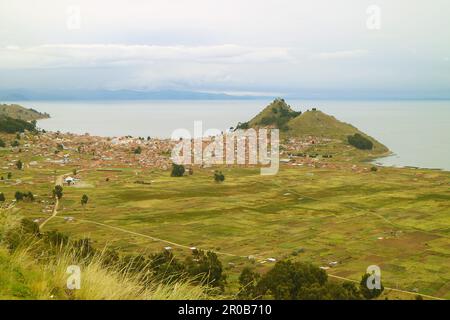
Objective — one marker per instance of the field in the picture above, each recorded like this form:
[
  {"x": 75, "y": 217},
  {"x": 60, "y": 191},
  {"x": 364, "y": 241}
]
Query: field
[{"x": 397, "y": 219}]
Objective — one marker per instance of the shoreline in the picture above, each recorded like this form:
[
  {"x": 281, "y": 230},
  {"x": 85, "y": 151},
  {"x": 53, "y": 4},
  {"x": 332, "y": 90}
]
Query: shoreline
[
  {"x": 371, "y": 160},
  {"x": 391, "y": 154}
]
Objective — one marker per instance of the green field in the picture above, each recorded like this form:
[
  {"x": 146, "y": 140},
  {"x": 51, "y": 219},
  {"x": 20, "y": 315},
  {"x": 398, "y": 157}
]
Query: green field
[{"x": 397, "y": 219}]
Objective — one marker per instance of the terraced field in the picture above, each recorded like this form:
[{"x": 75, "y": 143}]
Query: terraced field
[{"x": 397, "y": 219}]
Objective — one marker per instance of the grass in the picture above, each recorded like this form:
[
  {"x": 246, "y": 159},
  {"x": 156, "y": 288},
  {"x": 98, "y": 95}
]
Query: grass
[
  {"x": 26, "y": 273},
  {"x": 18, "y": 112},
  {"x": 333, "y": 215},
  {"x": 23, "y": 277}
]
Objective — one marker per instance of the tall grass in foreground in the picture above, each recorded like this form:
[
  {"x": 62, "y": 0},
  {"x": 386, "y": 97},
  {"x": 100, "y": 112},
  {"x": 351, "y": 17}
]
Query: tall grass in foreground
[
  {"x": 98, "y": 281},
  {"x": 45, "y": 275}
]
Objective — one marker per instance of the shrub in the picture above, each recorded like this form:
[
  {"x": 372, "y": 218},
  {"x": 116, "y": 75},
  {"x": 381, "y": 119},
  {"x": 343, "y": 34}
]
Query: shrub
[
  {"x": 374, "y": 169},
  {"x": 177, "y": 170},
  {"x": 29, "y": 196},
  {"x": 138, "y": 150},
  {"x": 18, "y": 195},
  {"x": 2, "y": 197},
  {"x": 19, "y": 164},
  {"x": 206, "y": 268},
  {"x": 2, "y": 143},
  {"x": 218, "y": 176},
  {"x": 29, "y": 227},
  {"x": 303, "y": 281}
]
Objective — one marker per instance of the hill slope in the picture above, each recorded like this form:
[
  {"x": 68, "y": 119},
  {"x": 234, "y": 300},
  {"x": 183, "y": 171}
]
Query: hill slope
[
  {"x": 16, "y": 111},
  {"x": 275, "y": 115},
  {"x": 312, "y": 123},
  {"x": 318, "y": 124}
]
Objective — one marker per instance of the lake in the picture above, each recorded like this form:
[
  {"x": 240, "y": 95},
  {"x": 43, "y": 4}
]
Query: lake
[{"x": 417, "y": 131}]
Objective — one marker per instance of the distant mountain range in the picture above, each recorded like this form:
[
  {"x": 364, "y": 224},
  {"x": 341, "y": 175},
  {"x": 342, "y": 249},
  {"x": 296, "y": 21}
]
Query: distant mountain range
[
  {"x": 10, "y": 95},
  {"x": 25, "y": 95}
]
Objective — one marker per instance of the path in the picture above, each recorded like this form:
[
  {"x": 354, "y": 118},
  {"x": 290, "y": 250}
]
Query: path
[
  {"x": 156, "y": 239},
  {"x": 58, "y": 182}
]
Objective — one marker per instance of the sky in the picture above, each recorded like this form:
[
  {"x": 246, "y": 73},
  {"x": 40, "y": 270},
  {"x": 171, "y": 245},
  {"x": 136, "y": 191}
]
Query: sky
[{"x": 395, "y": 48}]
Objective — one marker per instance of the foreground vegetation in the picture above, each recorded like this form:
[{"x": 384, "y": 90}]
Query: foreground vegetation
[{"x": 34, "y": 265}]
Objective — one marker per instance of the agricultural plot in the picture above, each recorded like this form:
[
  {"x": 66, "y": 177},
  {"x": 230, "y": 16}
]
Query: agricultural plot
[{"x": 340, "y": 219}]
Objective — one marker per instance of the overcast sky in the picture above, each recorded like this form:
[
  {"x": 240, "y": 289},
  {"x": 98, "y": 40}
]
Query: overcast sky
[{"x": 236, "y": 46}]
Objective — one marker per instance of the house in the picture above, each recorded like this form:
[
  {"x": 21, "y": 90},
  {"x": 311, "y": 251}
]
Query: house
[{"x": 69, "y": 180}]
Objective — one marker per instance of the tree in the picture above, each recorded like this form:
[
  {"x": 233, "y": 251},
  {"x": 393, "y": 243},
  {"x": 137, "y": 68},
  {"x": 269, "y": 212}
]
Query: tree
[
  {"x": 177, "y": 170},
  {"x": 206, "y": 268},
  {"x": 2, "y": 197},
  {"x": 365, "y": 291},
  {"x": 242, "y": 126},
  {"x": 10, "y": 125},
  {"x": 18, "y": 195},
  {"x": 29, "y": 196},
  {"x": 248, "y": 280},
  {"x": 2, "y": 143},
  {"x": 138, "y": 150},
  {"x": 9, "y": 176},
  {"x": 58, "y": 191},
  {"x": 84, "y": 200},
  {"x": 19, "y": 164},
  {"x": 360, "y": 142},
  {"x": 218, "y": 176},
  {"x": 292, "y": 280},
  {"x": 166, "y": 267},
  {"x": 15, "y": 143}
]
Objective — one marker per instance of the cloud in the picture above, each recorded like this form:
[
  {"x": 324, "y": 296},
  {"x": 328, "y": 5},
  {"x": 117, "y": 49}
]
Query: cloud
[
  {"x": 99, "y": 55},
  {"x": 348, "y": 54}
]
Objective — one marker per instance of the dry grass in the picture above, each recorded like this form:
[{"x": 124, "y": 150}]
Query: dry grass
[{"x": 45, "y": 277}]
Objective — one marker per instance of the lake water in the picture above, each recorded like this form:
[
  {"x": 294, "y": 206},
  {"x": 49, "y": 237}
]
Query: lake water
[{"x": 418, "y": 131}]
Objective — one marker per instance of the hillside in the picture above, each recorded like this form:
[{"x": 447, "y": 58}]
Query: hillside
[
  {"x": 16, "y": 111},
  {"x": 11, "y": 125},
  {"x": 314, "y": 123},
  {"x": 318, "y": 124},
  {"x": 275, "y": 115}
]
